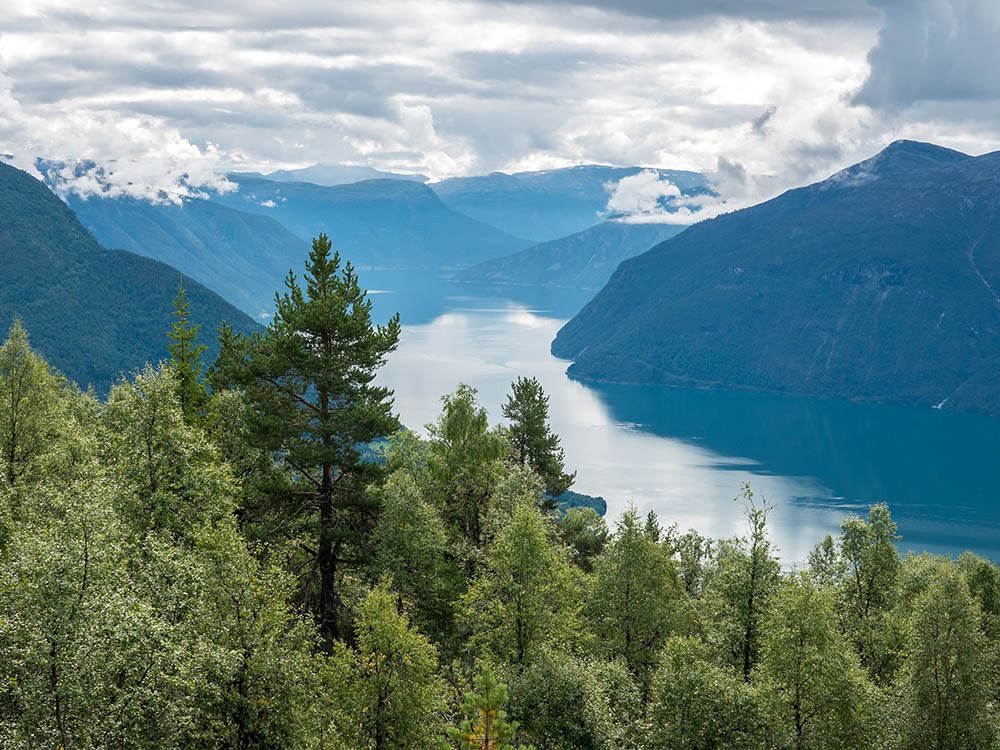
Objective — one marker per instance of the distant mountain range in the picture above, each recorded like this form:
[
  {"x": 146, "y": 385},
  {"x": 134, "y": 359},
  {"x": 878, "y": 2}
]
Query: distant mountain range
[
  {"x": 584, "y": 260},
  {"x": 880, "y": 283},
  {"x": 375, "y": 223},
  {"x": 93, "y": 313},
  {"x": 336, "y": 174},
  {"x": 242, "y": 256},
  {"x": 547, "y": 205}
]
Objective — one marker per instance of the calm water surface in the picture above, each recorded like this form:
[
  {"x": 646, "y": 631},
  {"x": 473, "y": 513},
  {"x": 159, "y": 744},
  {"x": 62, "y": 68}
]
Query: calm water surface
[{"x": 685, "y": 452}]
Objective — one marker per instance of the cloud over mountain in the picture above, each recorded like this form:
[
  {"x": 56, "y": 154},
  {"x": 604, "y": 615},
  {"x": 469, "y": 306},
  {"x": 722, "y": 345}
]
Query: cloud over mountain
[{"x": 172, "y": 92}]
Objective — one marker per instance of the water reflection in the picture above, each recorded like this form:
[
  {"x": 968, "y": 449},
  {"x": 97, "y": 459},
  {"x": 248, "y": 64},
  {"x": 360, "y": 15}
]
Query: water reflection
[{"x": 685, "y": 452}]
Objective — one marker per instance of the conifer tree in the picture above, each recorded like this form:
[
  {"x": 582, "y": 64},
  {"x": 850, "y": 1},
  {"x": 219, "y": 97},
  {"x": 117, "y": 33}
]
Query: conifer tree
[
  {"x": 185, "y": 358},
  {"x": 309, "y": 380},
  {"x": 532, "y": 441},
  {"x": 485, "y": 726}
]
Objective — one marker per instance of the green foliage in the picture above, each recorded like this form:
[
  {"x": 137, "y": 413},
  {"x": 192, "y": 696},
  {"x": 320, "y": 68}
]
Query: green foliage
[
  {"x": 563, "y": 702},
  {"x": 815, "y": 690},
  {"x": 634, "y": 602},
  {"x": 396, "y": 695},
  {"x": 185, "y": 358},
  {"x": 29, "y": 413},
  {"x": 945, "y": 678},
  {"x": 410, "y": 548},
  {"x": 532, "y": 441},
  {"x": 585, "y": 534},
  {"x": 93, "y": 313},
  {"x": 826, "y": 566},
  {"x": 744, "y": 576},
  {"x": 523, "y": 599},
  {"x": 697, "y": 705},
  {"x": 156, "y": 573},
  {"x": 464, "y": 464},
  {"x": 871, "y": 565},
  {"x": 485, "y": 725},
  {"x": 692, "y": 552},
  {"x": 309, "y": 380}
]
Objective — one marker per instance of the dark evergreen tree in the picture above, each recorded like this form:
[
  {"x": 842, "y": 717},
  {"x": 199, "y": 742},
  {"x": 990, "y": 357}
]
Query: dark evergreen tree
[
  {"x": 310, "y": 380},
  {"x": 185, "y": 358},
  {"x": 532, "y": 441}
]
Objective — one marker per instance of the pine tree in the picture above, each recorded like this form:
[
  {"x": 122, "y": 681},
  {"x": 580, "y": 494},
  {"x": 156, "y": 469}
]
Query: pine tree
[
  {"x": 532, "y": 441},
  {"x": 185, "y": 358},
  {"x": 309, "y": 380},
  {"x": 485, "y": 726}
]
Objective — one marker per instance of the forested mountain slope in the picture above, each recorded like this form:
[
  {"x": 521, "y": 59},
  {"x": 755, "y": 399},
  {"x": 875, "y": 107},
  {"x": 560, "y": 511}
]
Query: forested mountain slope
[
  {"x": 879, "y": 283},
  {"x": 240, "y": 255},
  {"x": 94, "y": 313},
  {"x": 375, "y": 223},
  {"x": 584, "y": 260}
]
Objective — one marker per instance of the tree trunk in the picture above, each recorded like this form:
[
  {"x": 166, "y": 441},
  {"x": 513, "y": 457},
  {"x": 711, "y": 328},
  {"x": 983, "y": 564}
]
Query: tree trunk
[{"x": 326, "y": 560}]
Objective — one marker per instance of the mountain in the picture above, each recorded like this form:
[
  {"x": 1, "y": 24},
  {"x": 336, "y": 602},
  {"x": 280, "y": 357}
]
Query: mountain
[
  {"x": 880, "y": 283},
  {"x": 242, "y": 256},
  {"x": 93, "y": 313},
  {"x": 338, "y": 174},
  {"x": 548, "y": 205},
  {"x": 584, "y": 260},
  {"x": 375, "y": 223}
]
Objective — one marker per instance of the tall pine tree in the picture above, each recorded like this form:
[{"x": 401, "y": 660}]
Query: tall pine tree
[
  {"x": 532, "y": 441},
  {"x": 185, "y": 358},
  {"x": 309, "y": 379}
]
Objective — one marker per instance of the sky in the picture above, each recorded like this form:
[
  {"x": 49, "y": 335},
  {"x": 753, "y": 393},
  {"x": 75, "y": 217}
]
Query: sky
[{"x": 165, "y": 96}]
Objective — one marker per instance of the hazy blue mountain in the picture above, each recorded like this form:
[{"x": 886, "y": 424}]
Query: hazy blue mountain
[
  {"x": 375, "y": 223},
  {"x": 338, "y": 174},
  {"x": 242, "y": 256},
  {"x": 879, "y": 283},
  {"x": 547, "y": 205},
  {"x": 584, "y": 260},
  {"x": 93, "y": 313}
]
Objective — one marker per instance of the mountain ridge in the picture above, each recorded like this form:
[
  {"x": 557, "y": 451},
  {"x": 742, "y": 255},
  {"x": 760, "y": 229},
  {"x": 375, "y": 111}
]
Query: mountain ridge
[
  {"x": 375, "y": 223},
  {"x": 875, "y": 284}
]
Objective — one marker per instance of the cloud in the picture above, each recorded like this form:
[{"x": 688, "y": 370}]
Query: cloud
[
  {"x": 651, "y": 198},
  {"x": 934, "y": 50},
  {"x": 162, "y": 96}
]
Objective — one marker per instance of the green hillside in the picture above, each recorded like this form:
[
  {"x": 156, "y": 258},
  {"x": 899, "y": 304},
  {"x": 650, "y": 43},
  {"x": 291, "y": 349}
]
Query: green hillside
[
  {"x": 94, "y": 313},
  {"x": 880, "y": 283},
  {"x": 240, "y": 255}
]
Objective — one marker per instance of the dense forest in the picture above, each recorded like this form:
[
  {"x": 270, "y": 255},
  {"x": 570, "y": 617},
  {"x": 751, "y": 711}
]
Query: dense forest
[{"x": 254, "y": 555}]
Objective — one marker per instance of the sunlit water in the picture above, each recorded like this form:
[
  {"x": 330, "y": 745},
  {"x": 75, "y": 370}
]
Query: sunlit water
[{"x": 684, "y": 453}]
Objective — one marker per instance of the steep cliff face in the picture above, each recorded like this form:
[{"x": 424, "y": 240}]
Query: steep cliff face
[{"x": 879, "y": 283}]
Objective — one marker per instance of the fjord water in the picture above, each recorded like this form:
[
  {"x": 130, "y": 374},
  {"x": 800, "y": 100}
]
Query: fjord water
[{"x": 684, "y": 453}]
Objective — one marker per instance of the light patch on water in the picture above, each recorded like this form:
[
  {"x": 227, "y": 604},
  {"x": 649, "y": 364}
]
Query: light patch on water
[{"x": 684, "y": 483}]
